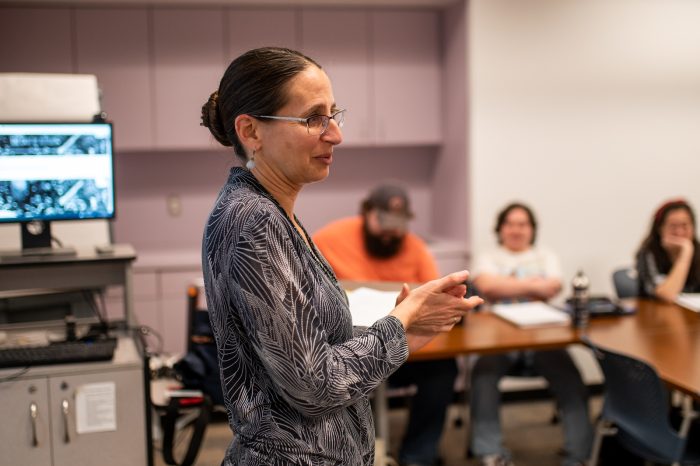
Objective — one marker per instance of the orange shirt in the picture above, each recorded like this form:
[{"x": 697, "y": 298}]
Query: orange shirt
[{"x": 342, "y": 244}]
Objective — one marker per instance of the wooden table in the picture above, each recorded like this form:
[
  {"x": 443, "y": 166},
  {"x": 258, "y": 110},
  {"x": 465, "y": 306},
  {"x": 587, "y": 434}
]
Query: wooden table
[{"x": 664, "y": 335}]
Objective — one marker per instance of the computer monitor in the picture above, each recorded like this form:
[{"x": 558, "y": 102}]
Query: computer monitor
[{"x": 54, "y": 171}]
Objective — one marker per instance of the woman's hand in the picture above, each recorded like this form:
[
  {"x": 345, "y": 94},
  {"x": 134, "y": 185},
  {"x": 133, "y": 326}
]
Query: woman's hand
[
  {"x": 433, "y": 308},
  {"x": 677, "y": 245}
]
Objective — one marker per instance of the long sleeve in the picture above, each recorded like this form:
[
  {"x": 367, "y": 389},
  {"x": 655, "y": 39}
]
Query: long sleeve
[{"x": 294, "y": 375}]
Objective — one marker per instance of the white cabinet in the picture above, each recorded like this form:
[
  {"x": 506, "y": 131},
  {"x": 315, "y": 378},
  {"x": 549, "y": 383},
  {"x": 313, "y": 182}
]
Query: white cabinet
[
  {"x": 19, "y": 397},
  {"x": 51, "y": 437}
]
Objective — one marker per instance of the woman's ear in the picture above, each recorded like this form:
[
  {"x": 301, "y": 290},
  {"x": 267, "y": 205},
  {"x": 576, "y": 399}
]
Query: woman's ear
[{"x": 247, "y": 130}]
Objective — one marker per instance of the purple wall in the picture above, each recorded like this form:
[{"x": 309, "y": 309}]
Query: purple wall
[{"x": 146, "y": 180}]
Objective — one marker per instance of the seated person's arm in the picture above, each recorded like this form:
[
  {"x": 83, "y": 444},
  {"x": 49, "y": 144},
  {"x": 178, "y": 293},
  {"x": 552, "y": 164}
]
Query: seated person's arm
[
  {"x": 499, "y": 287},
  {"x": 675, "y": 281}
]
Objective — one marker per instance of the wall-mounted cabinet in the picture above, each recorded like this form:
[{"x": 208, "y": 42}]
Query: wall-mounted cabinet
[
  {"x": 386, "y": 69},
  {"x": 113, "y": 44},
  {"x": 156, "y": 66},
  {"x": 406, "y": 74},
  {"x": 344, "y": 52},
  {"x": 188, "y": 53},
  {"x": 36, "y": 40}
]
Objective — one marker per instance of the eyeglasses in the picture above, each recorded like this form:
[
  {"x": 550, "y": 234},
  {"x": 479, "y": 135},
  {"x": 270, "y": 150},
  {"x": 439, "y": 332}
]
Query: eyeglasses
[
  {"x": 389, "y": 220},
  {"x": 316, "y": 125}
]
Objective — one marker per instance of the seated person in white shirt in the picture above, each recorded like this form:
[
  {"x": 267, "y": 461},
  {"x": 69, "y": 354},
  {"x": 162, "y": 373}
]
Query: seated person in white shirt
[{"x": 519, "y": 271}]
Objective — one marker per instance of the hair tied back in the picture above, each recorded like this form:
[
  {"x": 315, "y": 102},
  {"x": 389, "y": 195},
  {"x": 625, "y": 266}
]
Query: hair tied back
[{"x": 211, "y": 119}]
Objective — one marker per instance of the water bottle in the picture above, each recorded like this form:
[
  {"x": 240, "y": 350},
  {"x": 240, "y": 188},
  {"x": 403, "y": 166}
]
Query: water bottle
[{"x": 580, "y": 284}]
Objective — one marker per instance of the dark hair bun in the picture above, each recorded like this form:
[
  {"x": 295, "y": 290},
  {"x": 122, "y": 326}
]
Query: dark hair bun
[{"x": 211, "y": 118}]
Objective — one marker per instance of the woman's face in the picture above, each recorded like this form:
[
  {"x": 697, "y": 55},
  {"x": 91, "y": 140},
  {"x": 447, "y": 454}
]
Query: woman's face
[
  {"x": 677, "y": 224},
  {"x": 288, "y": 152},
  {"x": 516, "y": 231}
]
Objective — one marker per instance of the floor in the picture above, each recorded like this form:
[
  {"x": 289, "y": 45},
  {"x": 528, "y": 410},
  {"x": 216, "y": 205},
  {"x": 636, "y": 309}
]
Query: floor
[{"x": 532, "y": 438}]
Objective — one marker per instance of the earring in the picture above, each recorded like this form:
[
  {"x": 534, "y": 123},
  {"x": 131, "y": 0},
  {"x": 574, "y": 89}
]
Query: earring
[{"x": 250, "y": 164}]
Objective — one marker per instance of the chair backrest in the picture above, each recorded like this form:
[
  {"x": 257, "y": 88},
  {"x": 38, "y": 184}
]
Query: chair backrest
[
  {"x": 636, "y": 401},
  {"x": 199, "y": 368},
  {"x": 626, "y": 282}
]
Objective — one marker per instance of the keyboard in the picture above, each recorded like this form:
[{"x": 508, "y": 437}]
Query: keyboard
[{"x": 58, "y": 353}]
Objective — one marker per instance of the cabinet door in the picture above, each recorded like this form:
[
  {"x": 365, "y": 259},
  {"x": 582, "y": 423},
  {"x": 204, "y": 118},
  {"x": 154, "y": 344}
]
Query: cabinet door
[
  {"x": 407, "y": 88},
  {"x": 125, "y": 445},
  {"x": 339, "y": 41},
  {"x": 188, "y": 48},
  {"x": 16, "y": 400},
  {"x": 113, "y": 45},
  {"x": 35, "y": 40},
  {"x": 250, "y": 28}
]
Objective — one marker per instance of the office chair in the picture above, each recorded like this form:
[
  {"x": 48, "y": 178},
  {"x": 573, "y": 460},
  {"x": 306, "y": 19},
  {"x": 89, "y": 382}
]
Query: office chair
[
  {"x": 626, "y": 282},
  {"x": 636, "y": 411}
]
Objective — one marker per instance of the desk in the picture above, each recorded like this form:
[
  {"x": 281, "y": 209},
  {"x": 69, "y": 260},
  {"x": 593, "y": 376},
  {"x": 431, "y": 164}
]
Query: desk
[
  {"x": 664, "y": 335},
  {"x": 87, "y": 269},
  {"x": 46, "y": 388}
]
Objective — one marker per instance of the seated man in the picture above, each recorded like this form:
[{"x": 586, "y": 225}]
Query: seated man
[
  {"x": 376, "y": 246},
  {"x": 517, "y": 271}
]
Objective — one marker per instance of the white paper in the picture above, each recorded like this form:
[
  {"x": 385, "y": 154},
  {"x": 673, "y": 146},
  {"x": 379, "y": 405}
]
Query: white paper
[
  {"x": 96, "y": 408},
  {"x": 532, "y": 314},
  {"x": 689, "y": 301},
  {"x": 367, "y": 305}
]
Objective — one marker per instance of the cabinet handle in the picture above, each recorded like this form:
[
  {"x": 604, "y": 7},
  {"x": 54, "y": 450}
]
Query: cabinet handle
[
  {"x": 34, "y": 413},
  {"x": 64, "y": 410}
]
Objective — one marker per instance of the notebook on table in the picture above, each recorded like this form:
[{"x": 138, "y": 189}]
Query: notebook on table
[
  {"x": 689, "y": 301},
  {"x": 532, "y": 314}
]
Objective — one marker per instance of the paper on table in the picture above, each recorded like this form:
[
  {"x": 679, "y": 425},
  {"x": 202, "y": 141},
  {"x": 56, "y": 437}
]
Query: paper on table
[
  {"x": 531, "y": 314},
  {"x": 689, "y": 301},
  {"x": 367, "y": 305}
]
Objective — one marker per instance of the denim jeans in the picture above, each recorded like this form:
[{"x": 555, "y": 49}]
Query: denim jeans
[{"x": 565, "y": 384}]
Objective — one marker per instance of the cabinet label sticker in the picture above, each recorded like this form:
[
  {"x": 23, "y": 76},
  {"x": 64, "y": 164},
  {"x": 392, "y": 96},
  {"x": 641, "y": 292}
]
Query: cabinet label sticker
[{"x": 96, "y": 408}]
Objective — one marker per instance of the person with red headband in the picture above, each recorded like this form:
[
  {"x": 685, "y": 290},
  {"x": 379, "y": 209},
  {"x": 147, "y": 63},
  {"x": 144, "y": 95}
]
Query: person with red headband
[{"x": 668, "y": 262}]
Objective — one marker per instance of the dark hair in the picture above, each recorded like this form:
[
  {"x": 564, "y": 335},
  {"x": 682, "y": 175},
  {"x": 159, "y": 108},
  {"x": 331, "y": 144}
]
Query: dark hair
[
  {"x": 255, "y": 83},
  {"x": 652, "y": 243},
  {"x": 503, "y": 214}
]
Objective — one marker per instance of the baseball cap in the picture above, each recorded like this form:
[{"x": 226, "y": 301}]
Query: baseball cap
[{"x": 391, "y": 199}]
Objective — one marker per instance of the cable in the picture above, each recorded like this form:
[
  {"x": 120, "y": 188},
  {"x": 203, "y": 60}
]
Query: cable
[
  {"x": 146, "y": 331},
  {"x": 58, "y": 242},
  {"x": 90, "y": 298}
]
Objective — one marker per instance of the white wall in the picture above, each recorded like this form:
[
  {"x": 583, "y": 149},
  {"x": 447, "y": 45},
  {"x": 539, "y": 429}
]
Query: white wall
[{"x": 590, "y": 112}]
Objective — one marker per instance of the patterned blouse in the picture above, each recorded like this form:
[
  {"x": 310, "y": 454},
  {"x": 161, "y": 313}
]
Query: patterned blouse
[{"x": 295, "y": 373}]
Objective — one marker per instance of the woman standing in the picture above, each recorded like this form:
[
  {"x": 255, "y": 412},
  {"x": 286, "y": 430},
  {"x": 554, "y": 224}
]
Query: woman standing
[{"x": 295, "y": 372}]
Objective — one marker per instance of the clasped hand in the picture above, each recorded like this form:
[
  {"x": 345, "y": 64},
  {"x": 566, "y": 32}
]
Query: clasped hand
[{"x": 433, "y": 308}]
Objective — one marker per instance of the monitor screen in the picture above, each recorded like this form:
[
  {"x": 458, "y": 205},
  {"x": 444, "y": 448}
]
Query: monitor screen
[{"x": 56, "y": 171}]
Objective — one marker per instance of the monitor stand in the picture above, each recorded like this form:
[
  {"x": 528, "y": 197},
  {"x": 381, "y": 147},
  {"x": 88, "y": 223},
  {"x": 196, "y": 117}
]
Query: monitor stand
[{"x": 36, "y": 242}]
